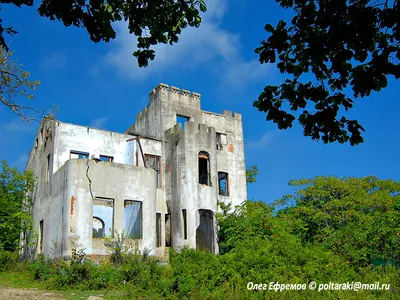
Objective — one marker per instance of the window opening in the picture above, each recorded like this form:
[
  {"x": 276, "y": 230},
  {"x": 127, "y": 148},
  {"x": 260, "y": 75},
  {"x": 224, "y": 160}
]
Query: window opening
[
  {"x": 41, "y": 236},
  {"x": 182, "y": 119},
  {"x": 106, "y": 158},
  {"x": 133, "y": 219},
  {"x": 79, "y": 154},
  {"x": 204, "y": 168},
  {"x": 48, "y": 168},
  {"x": 103, "y": 217},
  {"x": 223, "y": 184},
  {"x": 158, "y": 229},
  {"x": 153, "y": 161},
  {"x": 205, "y": 230},
  {"x": 46, "y": 138},
  {"x": 184, "y": 217}
]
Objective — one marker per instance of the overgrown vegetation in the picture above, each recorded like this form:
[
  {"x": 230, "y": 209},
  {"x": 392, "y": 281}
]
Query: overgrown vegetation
[
  {"x": 15, "y": 205},
  {"x": 330, "y": 230}
]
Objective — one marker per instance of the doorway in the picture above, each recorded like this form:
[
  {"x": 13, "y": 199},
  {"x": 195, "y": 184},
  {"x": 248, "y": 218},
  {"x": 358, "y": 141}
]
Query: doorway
[{"x": 205, "y": 231}]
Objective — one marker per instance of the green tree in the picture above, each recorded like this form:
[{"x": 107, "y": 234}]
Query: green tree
[
  {"x": 357, "y": 218},
  {"x": 15, "y": 85},
  {"x": 329, "y": 49},
  {"x": 251, "y": 174},
  {"x": 16, "y": 190},
  {"x": 152, "y": 22}
]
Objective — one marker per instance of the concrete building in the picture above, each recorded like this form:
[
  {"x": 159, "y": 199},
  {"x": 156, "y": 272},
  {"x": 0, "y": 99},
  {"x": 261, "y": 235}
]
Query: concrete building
[{"x": 159, "y": 182}]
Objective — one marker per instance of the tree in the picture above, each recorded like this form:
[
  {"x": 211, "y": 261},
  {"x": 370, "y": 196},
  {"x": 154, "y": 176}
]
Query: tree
[
  {"x": 15, "y": 84},
  {"x": 251, "y": 174},
  {"x": 329, "y": 48},
  {"x": 153, "y": 22},
  {"x": 16, "y": 189},
  {"x": 357, "y": 218}
]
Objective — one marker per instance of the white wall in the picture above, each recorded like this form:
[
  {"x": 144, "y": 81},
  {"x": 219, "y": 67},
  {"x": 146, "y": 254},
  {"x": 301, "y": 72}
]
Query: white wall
[{"x": 70, "y": 137}]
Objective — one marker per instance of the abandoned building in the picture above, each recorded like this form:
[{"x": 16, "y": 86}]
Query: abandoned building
[{"x": 159, "y": 183}]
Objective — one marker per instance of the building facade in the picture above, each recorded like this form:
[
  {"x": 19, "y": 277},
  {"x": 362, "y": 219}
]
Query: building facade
[{"x": 159, "y": 183}]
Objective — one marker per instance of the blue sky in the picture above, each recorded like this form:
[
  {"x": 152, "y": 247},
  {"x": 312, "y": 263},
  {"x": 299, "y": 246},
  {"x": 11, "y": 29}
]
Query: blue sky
[{"x": 100, "y": 85}]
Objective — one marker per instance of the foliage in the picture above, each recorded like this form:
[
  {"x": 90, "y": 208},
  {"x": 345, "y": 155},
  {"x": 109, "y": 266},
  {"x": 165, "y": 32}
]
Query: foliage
[
  {"x": 152, "y": 22},
  {"x": 16, "y": 189},
  {"x": 15, "y": 84},
  {"x": 257, "y": 245},
  {"x": 144, "y": 276},
  {"x": 329, "y": 47},
  {"x": 8, "y": 260},
  {"x": 251, "y": 174},
  {"x": 330, "y": 231},
  {"x": 357, "y": 218},
  {"x": 115, "y": 245}
]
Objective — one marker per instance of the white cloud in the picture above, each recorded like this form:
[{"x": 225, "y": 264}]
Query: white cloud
[
  {"x": 240, "y": 73},
  {"x": 196, "y": 46},
  {"x": 99, "y": 122},
  {"x": 262, "y": 142}
]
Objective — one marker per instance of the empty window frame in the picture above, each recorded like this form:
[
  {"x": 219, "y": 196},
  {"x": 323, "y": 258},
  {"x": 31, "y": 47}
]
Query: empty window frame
[
  {"x": 78, "y": 154},
  {"x": 46, "y": 137},
  {"x": 158, "y": 229},
  {"x": 48, "y": 168},
  {"x": 221, "y": 140},
  {"x": 106, "y": 158},
  {"x": 223, "y": 184},
  {"x": 204, "y": 168},
  {"x": 103, "y": 217},
  {"x": 41, "y": 224},
  {"x": 133, "y": 219},
  {"x": 154, "y": 161},
  {"x": 184, "y": 223},
  {"x": 182, "y": 119}
]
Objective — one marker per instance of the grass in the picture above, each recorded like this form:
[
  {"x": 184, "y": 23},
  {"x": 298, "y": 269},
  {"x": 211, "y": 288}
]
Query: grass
[{"x": 22, "y": 280}]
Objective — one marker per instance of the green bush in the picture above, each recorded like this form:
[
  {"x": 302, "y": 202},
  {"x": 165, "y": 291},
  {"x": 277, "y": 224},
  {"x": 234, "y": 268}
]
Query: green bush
[
  {"x": 8, "y": 260},
  {"x": 42, "y": 268},
  {"x": 336, "y": 228}
]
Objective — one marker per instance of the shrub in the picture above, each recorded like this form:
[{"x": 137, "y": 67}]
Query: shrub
[{"x": 8, "y": 260}]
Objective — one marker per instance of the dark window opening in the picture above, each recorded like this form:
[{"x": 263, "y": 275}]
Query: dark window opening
[
  {"x": 204, "y": 168},
  {"x": 182, "y": 119},
  {"x": 153, "y": 161},
  {"x": 184, "y": 217},
  {"x": 48, "y": 168},
  {"x": 106, "y": 158},
  {"x": 46, "y": 138},
  {"x": 167, "y": 230},
  {"x": 205, "y": 231},
  {"x": 158, "y": 229},
  {"x": 79, "y": 154},
  {"x": 221, "y": 140},
  {"x": 41, "y": 236},
  {"x": 133, "y": 219}
]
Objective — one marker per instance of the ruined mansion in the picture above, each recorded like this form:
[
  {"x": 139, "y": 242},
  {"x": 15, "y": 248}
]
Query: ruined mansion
[{"x": 159, "y": 183}]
